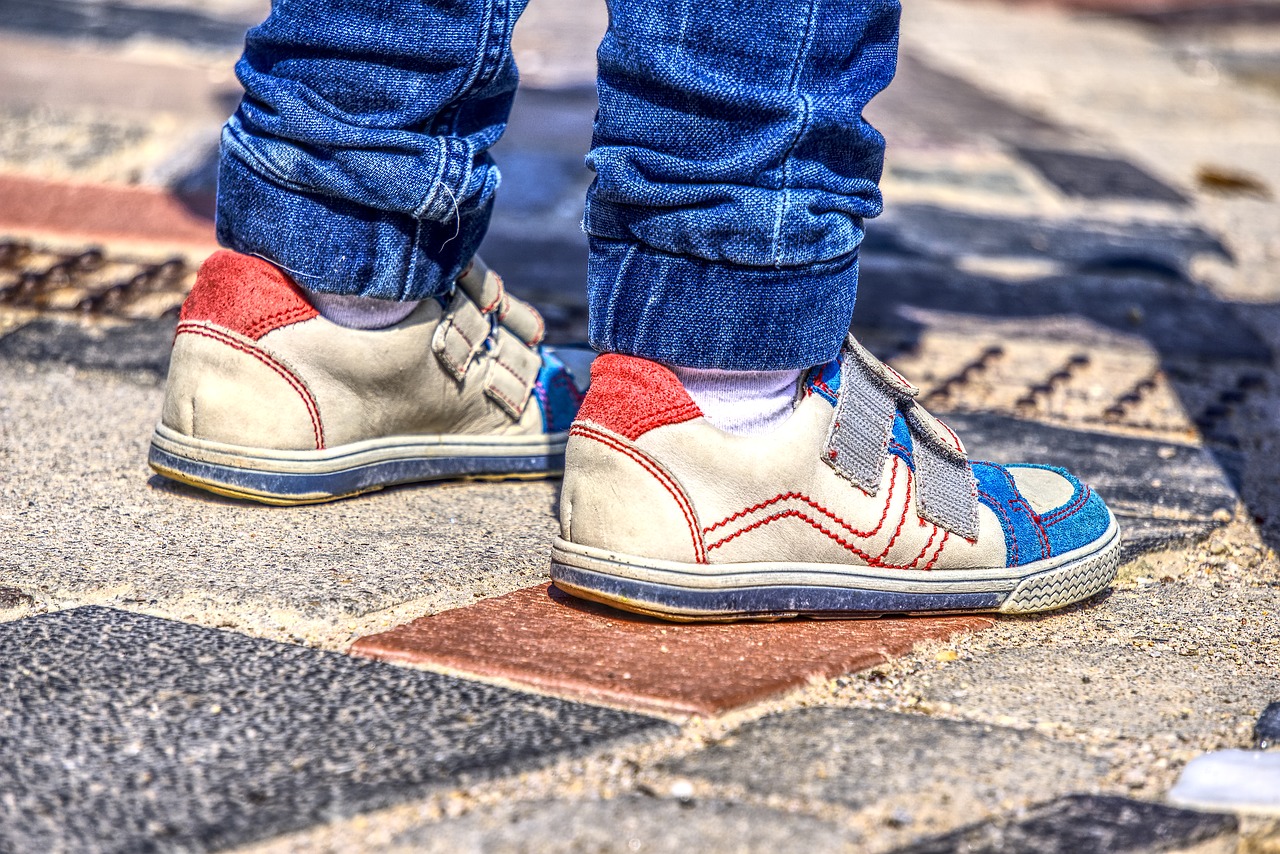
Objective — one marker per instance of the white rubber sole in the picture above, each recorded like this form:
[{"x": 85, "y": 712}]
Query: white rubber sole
[
  {"x": 306, "y": 477},
  {"x": 689, "y": 591}
]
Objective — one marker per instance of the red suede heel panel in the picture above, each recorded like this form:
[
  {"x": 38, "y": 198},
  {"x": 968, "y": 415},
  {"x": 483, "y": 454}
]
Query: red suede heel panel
[
  {"x": 245, "y": 294},
  {"x": 632, "y": 396}
]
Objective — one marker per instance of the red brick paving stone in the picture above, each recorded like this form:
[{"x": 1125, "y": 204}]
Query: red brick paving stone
[
  {"x": 101, "y": 212},
  {"x": 548, "y": 640}
]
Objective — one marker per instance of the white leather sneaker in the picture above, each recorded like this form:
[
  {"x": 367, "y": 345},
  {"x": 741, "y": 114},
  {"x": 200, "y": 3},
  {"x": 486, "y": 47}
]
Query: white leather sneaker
[
  {"x": 861, "y": 504},
  {"x": 269, "y": 401}
]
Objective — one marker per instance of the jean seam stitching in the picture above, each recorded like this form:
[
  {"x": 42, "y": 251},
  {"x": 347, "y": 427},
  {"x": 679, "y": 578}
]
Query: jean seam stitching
[{"x": 793, "y": 85}]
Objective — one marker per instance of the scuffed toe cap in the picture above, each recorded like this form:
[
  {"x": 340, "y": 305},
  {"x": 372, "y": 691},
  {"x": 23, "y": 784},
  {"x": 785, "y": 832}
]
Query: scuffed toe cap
[
  {"x": 1070, "y": 513},
  {"x": 1045, "y": 489},
  {"x": 1044, "y": 511}
]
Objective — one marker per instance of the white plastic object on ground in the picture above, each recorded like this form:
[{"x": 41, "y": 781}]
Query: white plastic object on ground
[{"x": 1231, "y": 780}]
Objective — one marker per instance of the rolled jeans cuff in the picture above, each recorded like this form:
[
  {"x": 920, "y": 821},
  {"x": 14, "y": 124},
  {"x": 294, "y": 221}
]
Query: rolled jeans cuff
[
  {"x": 701, "y": 314},
  {"x": 333, "y": 246}
]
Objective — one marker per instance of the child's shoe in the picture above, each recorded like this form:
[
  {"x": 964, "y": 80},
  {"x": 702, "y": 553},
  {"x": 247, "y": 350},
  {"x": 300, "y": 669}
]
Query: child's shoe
[
  {"x": 268, "y": 400},
  {"x": 860, "y": 504}
]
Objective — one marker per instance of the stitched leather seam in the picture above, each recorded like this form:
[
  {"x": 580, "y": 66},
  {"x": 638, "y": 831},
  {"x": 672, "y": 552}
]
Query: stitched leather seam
[
  {"x": 893, "y": 482},
  {"x": 797, "y": 514},
  {"x": 928, "y": 543},
  {"x": 682, "y": 501},
  {"x": 453, "y": 327},
  {"x": 906, "y": 505},
  {"x": 938, "y": 553},
  {"x": 1035, "y": 519},
  {"x": 498, "y": 393},
  {"x": 676, "y": 414},
  {"x": 1067, "y": 509},
  {"x": 289, "y": 377},
  {"x": 1004, "y": 515},
  {"x": 497, "y": 300},
  {"x": 877, "y": 560},
  {"x": 954, "y": 437},
  {"x": 510, "y": 370}
]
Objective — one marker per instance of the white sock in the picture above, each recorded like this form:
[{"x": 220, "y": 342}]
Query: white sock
[
  {"x": 356, "y": 312},
  {"x": 742, "y": 402}
]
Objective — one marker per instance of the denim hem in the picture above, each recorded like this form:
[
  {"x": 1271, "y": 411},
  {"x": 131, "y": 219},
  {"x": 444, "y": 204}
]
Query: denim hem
[
  {"x": 331, "y": 245},
  {"x": 700, "y": 314}
]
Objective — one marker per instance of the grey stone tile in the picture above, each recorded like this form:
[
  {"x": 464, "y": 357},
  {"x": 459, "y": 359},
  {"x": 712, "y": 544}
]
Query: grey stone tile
[
  {"x": 1092, "y": 176},
  {"x": 861, "y": 758},
  {"x": 130, "y": 733},
  {"x": 85, "y": 520},
  {"x": 631, "y": 823},
  {"x": 1133, "y": 278},
  {"x": 944, "y": 233},
  {"x": 1267, "y": 730},
  {"x": 1085, "y": 823},
  {"x": 141, "y": 347}
]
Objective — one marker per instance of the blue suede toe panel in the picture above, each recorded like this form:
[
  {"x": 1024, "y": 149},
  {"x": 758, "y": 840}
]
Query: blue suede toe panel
[
  {"x": 1025, "y": 539},
  {"x": 558, "y": 396},
  {"x": 1082, "y": 520}
]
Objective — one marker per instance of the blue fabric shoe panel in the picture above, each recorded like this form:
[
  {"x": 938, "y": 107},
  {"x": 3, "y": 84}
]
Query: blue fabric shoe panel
[
  {"x": 1080, "y": 521},
  {"x": 1024, "y": 537},
  {"x": 824, "y": 380},
  {"x": 558, "y": 395}
]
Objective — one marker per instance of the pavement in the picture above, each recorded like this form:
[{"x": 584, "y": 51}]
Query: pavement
[{"x": 1076, "y": 264}]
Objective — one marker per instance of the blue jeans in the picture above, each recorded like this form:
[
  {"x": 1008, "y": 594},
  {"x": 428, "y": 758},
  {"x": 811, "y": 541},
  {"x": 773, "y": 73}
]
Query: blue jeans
[{"x": 733, "y": 166}]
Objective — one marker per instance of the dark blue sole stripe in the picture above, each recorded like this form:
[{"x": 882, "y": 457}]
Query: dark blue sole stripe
[
  {"x": 352, "y": 481},
  {"x": 777, "y": 600}
]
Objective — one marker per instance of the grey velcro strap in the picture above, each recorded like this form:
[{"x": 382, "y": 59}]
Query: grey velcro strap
[
  {"x": 871, "y": 393},
  {"x": 487, "y": 291},
  {"x": 858, "y": 440},
  {"x": 511, "y": 373},
  {"x": 460, "y": 335}
]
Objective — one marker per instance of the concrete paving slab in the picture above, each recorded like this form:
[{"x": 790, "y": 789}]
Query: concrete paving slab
[
  {"x": 913, "y": 771},
  {"x": 127, "y": 733},
  {"x": 631, "y": 823},
  {"x": 1182, "y": 665},
  {"x": 86, "y": 522},
  {"x": 546, "y": 639},
  {"x": 1088, "y": 823}
]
